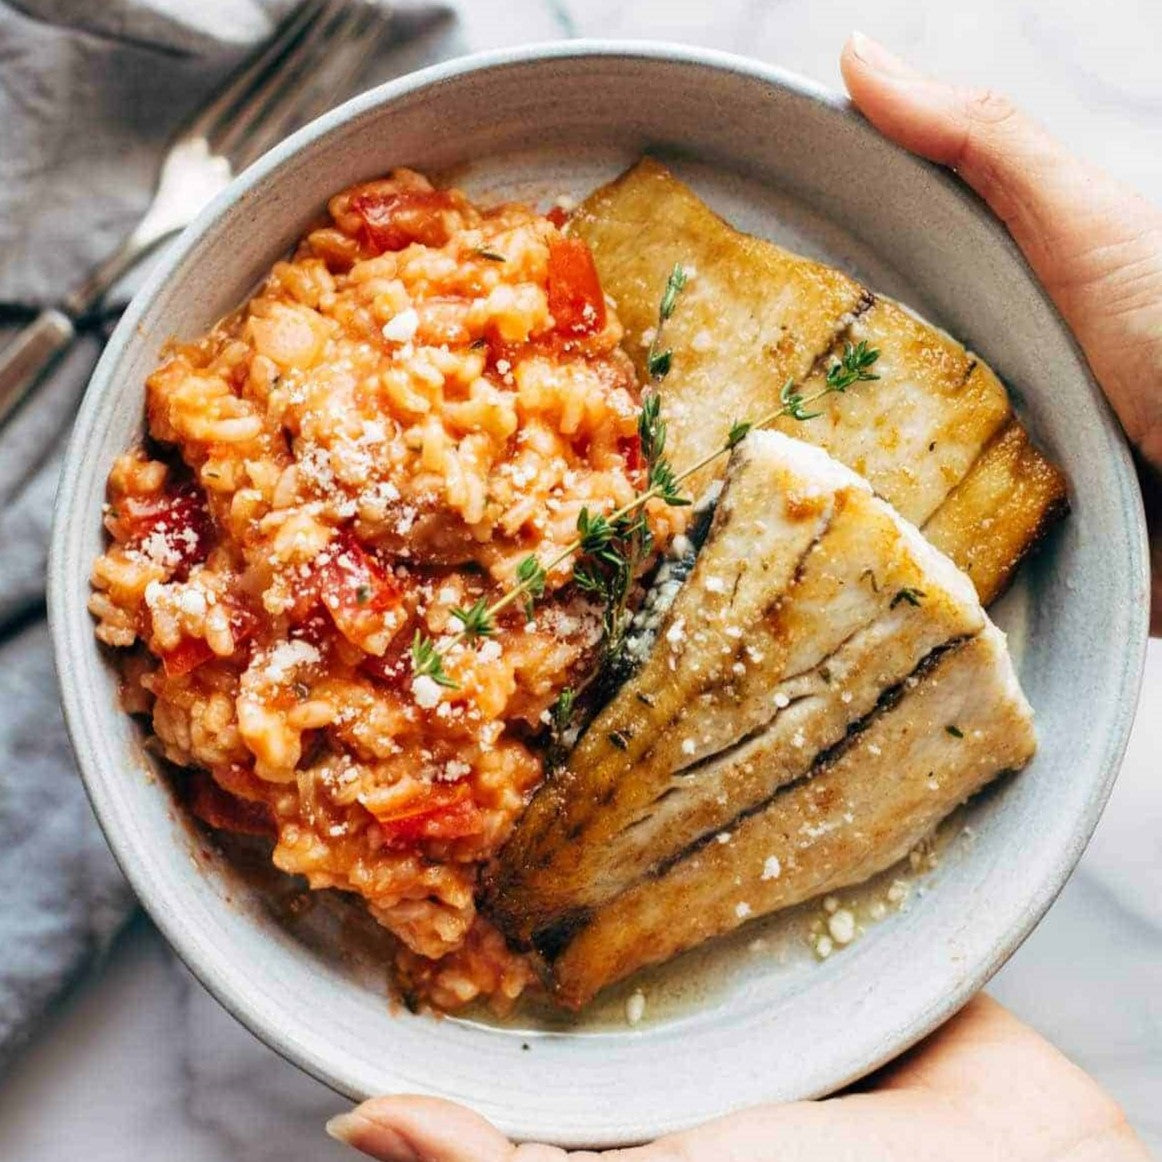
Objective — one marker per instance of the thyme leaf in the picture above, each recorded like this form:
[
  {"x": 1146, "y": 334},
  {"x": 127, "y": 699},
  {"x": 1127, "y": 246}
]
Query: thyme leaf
[
  {"x": 738, "y": 433},
  {"x": 427, "y": 661},
  {"x": 477, "y": 621},
  {"x": 530, "y": 578},
  {"x": 853, "y": 366},
  {"x": 911, "y": 596},
  {"x": 659, "y": 361},
  {"x": 561, "y": 712}
]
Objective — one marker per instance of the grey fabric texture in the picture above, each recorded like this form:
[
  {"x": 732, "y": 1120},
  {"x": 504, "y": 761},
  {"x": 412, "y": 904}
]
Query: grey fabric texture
[{"x": 89, "y": 94}]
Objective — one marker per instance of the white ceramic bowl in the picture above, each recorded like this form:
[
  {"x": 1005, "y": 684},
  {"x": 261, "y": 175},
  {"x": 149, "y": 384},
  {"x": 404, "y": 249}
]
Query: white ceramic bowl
[{"x": 779, "y": 156}]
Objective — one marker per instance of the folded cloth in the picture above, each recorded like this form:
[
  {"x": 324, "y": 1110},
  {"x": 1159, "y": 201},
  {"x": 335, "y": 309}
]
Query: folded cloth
[{"x": 89, "y": 94}]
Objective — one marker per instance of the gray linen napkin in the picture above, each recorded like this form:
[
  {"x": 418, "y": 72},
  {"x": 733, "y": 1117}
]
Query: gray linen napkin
[{"x": 89, "y": 93}]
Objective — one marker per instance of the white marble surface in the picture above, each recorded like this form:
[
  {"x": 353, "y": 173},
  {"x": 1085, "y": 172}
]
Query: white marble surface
[{"x": 139, "y": 1062}]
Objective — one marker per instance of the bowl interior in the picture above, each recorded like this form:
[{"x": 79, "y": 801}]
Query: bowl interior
[{"x": 742, "y": 1022}]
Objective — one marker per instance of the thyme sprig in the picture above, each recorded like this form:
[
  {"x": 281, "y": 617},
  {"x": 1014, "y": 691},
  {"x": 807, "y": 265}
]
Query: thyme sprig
[
  {"x": 427, "y": 662},
  {"x": 852, "y": 367},
  {"x": 659, "y": 359},
  {"x": 610, "y": 549}
]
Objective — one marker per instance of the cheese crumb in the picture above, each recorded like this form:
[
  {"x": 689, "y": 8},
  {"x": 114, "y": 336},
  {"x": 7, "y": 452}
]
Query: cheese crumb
[
  {"x": 772, "y": 868},
  {"x": 635, "y": 1007},
  {"x": 489, "y": 651},
  {"x": 841, "y": 926},
  {"x": 426, "y": 692},
  {"x": 688, "y": 746},
  {"x": 287, "y": 656},
  {"x": 742, "y": 909}
]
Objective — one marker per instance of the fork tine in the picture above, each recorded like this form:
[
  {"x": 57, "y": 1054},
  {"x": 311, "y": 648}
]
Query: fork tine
[
  {"x": 242, "y": 85},
  {"x": 308, "y": 85}
]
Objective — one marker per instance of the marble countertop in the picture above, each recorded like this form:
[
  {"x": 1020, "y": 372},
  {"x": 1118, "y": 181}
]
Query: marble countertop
[{"x": 140, "y": 1061}]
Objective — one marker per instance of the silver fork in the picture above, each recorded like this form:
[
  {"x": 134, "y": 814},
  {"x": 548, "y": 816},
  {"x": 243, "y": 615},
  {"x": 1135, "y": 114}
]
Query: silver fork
[{"x": 310, "y": 61}]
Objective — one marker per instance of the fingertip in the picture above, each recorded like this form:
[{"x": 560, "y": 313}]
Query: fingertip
[
  {"x": 861, "y": 51},
  {"x": 374, "y": 1138},
  {"x": 420, "y": 1129},
  {"x": 901, "y": 102}
]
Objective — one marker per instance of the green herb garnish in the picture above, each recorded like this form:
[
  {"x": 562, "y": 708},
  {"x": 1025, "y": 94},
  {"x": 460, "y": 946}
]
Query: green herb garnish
[
  {"x": 911, "y": 596},
  {"x": 853, "y": 366},
  {"x": 610, "y": 549},
  {"x": 476, "y": 621},
  {"x": 427, "y": 662}
]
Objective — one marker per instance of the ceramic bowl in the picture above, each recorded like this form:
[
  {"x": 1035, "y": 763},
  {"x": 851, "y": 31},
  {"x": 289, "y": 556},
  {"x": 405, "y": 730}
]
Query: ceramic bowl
[{"x": 748, "y": 1021}]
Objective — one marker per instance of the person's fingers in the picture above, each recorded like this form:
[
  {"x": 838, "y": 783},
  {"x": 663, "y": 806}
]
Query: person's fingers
[
  {"x": 1016, "y": 1087},
  {"x": 422, "y": 1129},
  {"x": 984, "y": 1086},
  {"x": 1095, "y": 245},
  {"x": 867, "y": 1129}
]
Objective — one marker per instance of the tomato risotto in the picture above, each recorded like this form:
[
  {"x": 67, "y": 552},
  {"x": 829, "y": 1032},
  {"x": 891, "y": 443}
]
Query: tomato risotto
[{"x": 426, "y": 393}]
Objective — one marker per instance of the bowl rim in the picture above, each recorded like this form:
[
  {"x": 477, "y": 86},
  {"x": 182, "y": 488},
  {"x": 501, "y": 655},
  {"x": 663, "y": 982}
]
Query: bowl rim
[{"x": 64, "y": 593}]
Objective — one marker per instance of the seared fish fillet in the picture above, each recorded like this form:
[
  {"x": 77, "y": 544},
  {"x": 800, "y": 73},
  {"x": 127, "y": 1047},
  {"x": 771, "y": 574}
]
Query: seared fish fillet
[
  {"x": 815, "y": 619},
  {"x": 858, "y": 815},
  {"x": 755, "y": 315}
]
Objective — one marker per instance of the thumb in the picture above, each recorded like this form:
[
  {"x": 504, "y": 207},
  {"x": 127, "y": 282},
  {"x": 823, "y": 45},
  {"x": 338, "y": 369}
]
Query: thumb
[
  {"x": 1095, "y": 245},
  {"x": 423, "y": 1129}
]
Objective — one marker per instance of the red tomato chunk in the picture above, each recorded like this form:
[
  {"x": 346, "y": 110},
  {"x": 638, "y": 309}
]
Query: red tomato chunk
[
  {"x": 575, "y": 297},
  {"x": 393, "y": 220},
  {"x": 179, "y": 519},
  {"x": 442, "y": 812}
]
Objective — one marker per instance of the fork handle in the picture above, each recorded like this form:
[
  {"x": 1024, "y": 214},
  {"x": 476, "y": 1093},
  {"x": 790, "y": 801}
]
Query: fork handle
[{"x": 27, "y": 356}]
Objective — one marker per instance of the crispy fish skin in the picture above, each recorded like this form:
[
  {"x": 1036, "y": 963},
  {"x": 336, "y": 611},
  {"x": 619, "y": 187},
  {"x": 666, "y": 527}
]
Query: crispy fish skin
[
  {"x": 755, "y": 315},
  {"x": 1006, "y": 504},
  {"x": 767, "y": 313},
  {"x": 856, "y": 816},
  {"x": 781, "y": 639},
  {"x": 915, "y": 432}
]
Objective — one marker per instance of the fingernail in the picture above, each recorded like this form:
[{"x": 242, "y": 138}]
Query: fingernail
[
  {"x": 344, "y": 1127},
  {"x": 875, "y": 56},
  {"x": 353, "y": 1129}
]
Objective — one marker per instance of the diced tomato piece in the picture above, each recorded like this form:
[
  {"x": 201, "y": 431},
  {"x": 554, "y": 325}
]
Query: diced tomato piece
[
  {"x": 179, "y": 516},
  {"x": 352, "y": 582},
  {"x": 442, "y": 812},
  {"x": 395, "y": 219},
  {"x": 456, "y": 822},
  {"x": 187, "y": 656},
  {"x": 575, "y": 297},
  {"x": 631, "y": 449},
  {"x": 191, "y": 652},
  {"x": 315, "y": 627},
  {"x": 221, "y": 810},
  {"x": 558, "y": 215},
  {"x": 393, "y": 669}
]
